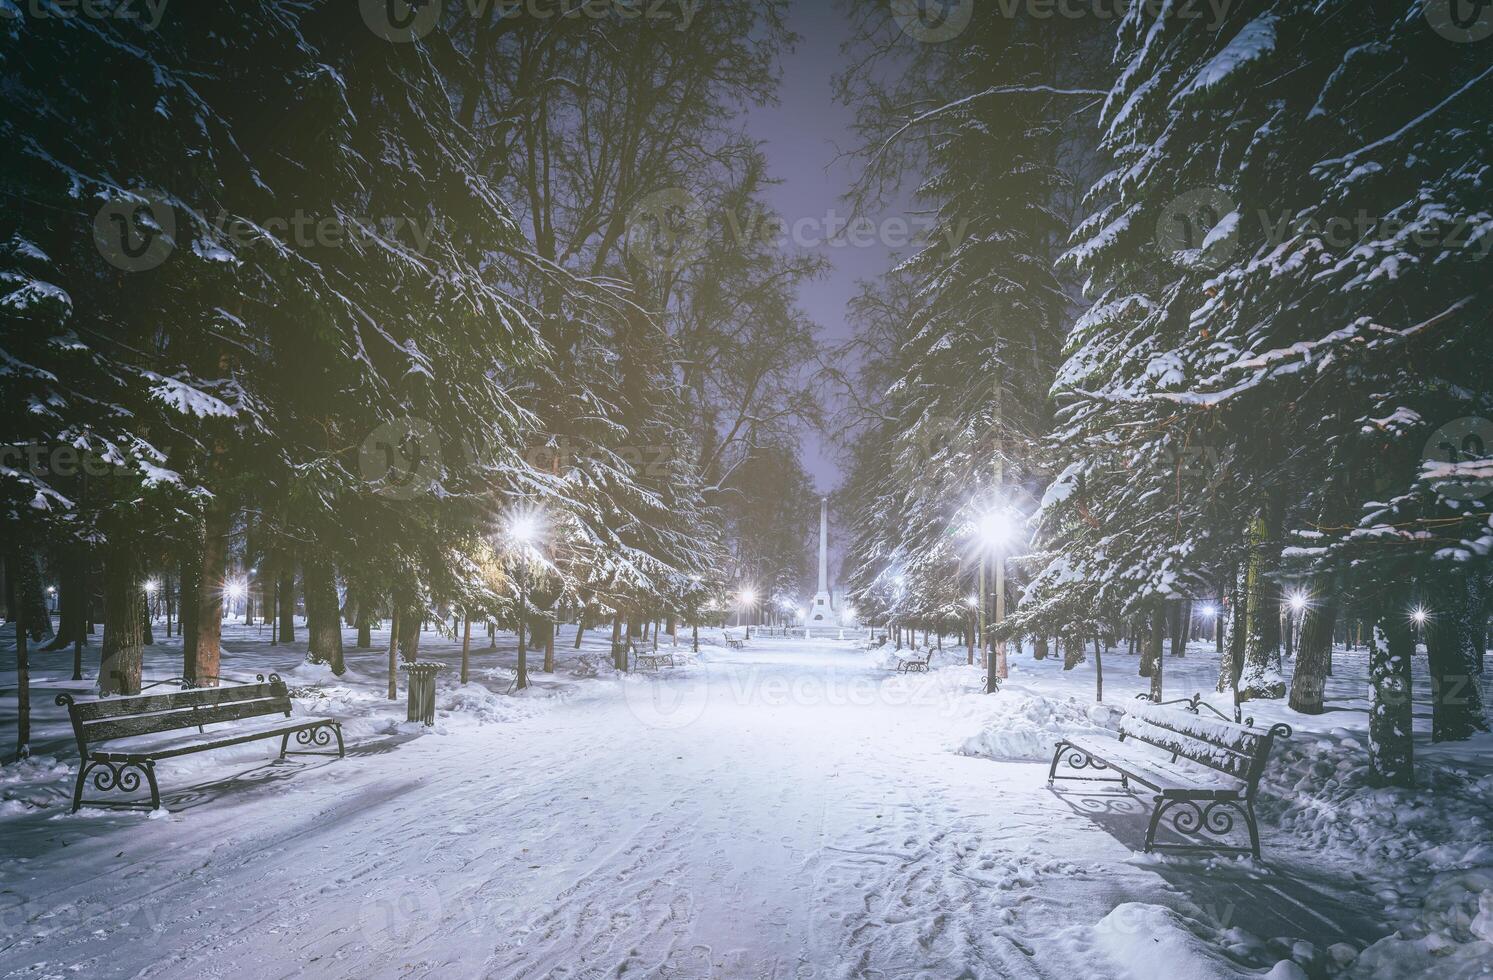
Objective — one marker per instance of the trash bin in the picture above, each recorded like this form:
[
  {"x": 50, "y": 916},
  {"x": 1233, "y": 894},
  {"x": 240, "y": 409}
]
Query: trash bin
[{"x": 422, "y": 690}]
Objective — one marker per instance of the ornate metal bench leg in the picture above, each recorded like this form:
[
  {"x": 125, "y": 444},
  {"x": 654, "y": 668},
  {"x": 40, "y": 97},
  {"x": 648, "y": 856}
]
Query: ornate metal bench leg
[
  {"x": 284, "y": 744},
  {"x": 78, "y": 786},
  {"x": 1052, "y": 771},
  {"x": 1254, "y": 830},
  {"x": 337, "y": 729},
  {"x": 155, "y": 790},
  {"x": 1161, "y": 807}
]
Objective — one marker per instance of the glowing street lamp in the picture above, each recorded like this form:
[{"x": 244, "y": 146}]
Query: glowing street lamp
[
  {"x": 995, "y": 530},
  {"x": 1298, "y": 601},
  {"x": 524, "y": 530},
  {"x": 747, "y": 597}
]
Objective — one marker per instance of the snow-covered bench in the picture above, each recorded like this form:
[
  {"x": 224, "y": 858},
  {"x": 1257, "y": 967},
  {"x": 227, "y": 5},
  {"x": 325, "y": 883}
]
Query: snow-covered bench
[
  {"x": 734, "y": 642},
  {"x": 915, "y": 664},
  {"x": 1202, "y": 768},
  {"x": 121, "y": 739},
  {"x": 652, "y": 659}
]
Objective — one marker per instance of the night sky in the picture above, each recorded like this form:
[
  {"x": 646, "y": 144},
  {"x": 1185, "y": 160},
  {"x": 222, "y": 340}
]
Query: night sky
[{"x": 804, "y": 134}]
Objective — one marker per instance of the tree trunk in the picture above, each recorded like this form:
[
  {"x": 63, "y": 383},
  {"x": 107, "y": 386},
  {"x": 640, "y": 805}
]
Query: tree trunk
[
  {"x": 1181, "y": 620},
  {"x": 31, "y": 597},
  {"x": 393, "y": 651},
  {"x": 1456, "y": 698},
  {"x": 1098, "y": 671},
  {"x": 466, "y": 649},
  {"x": 365, "y": 626},
  {"x": 191, "y": 570},
  {"x": 323, "y": 618},
  {"x": 1391, "y": 745},
  {"x": 286, "y": 589},
  {"x": 1261, "y": 677},
  {"x": 80, "y": 631},
  {"x": 121, "y": 658},
  {"x": 547, "y": 630},
  {"x": 1040, "y": 648},
  {"x": 1318, "y": 624},
  {"x": 1151, "y": 663},
  {"x": 1231, "y": 662},
  {"x": 18, "y": 605},
  {"x": 619, "y": 652},
  {"x": 146, "y": 626},
  {"x": 69, "y": 601},
  {"x": 411, "y": 618},
  {"x": 210, "y": 596}
]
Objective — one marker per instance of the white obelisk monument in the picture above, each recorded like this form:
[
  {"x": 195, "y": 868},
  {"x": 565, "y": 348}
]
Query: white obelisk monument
[{"x": 822, "y": 610}]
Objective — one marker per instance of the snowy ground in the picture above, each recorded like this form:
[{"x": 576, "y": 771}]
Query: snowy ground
[{"x": 791, "y": 810}]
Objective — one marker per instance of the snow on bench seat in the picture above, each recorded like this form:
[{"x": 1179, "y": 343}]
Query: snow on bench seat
[{"x": 1141, "y": 763}]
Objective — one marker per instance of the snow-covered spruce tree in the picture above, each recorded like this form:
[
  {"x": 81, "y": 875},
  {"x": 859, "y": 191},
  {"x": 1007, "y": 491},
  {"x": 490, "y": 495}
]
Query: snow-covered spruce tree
[
  {"x": 590, "y": 121},
  {"x": 299, "y": 290},
  {"x": 1345, "y": 324},
  {"x": 979, "y": 120}
]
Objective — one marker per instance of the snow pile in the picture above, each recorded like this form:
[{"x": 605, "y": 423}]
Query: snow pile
[
  {"x": 480, "y": 704},
  {"x": 1450, "y": 936},
  {"x": 1140, "y": 940},
  {"x": 1316, "y": 787},
  {"x": 1024, "y": 727},
  {"x": 32, "y": 784}
]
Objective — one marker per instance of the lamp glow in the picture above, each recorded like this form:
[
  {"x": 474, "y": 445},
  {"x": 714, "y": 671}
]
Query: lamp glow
[
  {"x": 237, "y": 590},
  {"x": 523, "y": 529},
  {"x": 1209, "y": 611},
  {"x": 151, "y": 586},
  {"x": 1297, "y": 601},
  {"x": 995, "y": 528},
  {"x": 747, "y": 596},
  {"x": 1420, "y": 615},
  {"x": 972, "y": 601}
]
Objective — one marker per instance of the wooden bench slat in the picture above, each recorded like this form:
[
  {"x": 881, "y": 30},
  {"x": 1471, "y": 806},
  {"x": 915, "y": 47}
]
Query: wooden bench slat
[
  {"x": 152, "y": 703},
  {"x": 232, "y": 736},
  {"x": 1143, "y": 765},
  {"x": 190, "y": 717},
  {"x": 1231, "y": 735},
  {"x": 1197, "y": 750}
]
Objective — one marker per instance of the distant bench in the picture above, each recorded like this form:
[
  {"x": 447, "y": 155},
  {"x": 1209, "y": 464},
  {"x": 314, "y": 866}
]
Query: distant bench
[
  {"x": 734, "y": 642},
  {"x": 116, "y": 743},
  {"x": 914, "y": 664},
  {"x": 652, "y": 659},
  {"x": 1214, "y": 767}
]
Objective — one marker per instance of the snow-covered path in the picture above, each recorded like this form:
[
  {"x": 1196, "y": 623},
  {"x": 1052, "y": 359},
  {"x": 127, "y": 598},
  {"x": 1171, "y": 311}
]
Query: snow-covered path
[{"x": 784, "y": 811}]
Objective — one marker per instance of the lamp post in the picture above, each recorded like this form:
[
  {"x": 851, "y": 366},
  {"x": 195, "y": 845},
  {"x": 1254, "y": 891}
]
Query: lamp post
[
  {"x": 523, "y": 529},
  {"x": 1210, "y": 612},
  {"x": 994, "y": 531},
  {"x": 744, "y": 598}
]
